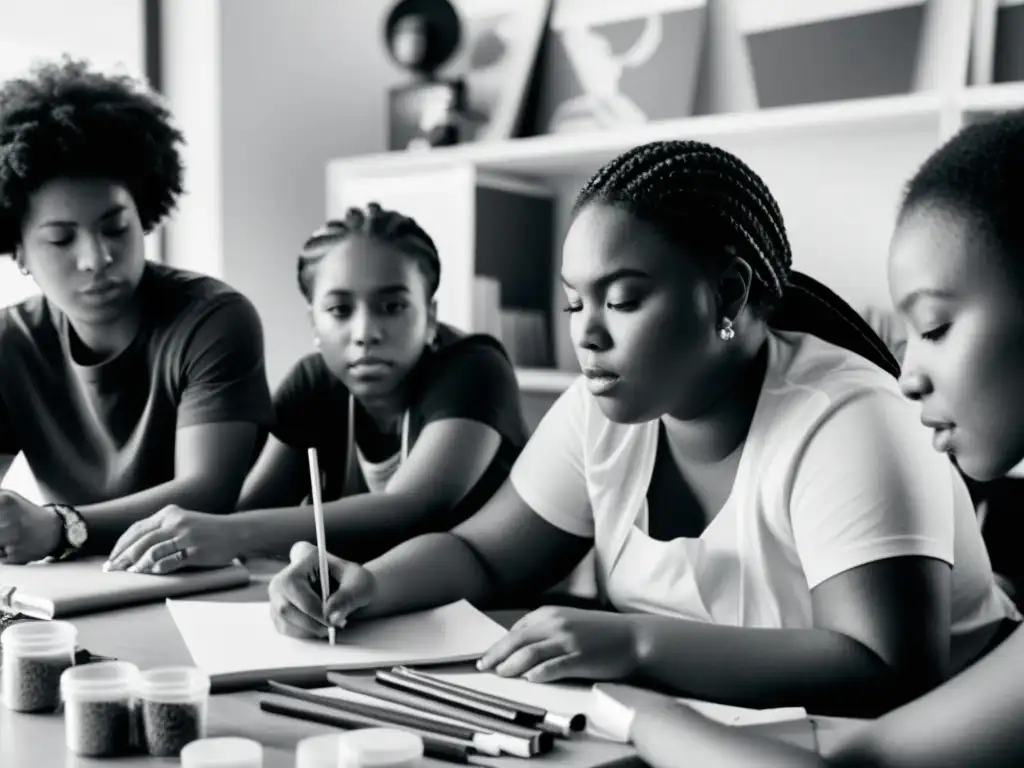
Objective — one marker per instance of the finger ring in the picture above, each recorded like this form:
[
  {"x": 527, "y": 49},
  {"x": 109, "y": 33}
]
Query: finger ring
[{"x": 181, "y": 554}]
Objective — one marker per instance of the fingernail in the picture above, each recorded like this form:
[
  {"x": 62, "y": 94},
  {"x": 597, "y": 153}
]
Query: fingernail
[
  {"x": 337, "y": 619},
  {"x": 107, "y": 566},
  {"x": 135, "y": 569}
]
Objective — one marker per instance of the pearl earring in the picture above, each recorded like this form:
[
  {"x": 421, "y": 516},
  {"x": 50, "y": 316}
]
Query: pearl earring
[
  {"x": 316, "y": 342},
  {"x": 726, "y": 332}
]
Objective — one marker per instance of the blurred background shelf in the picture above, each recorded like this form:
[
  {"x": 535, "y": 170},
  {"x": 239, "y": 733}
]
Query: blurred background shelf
[
  {"x": 580, "y": 153},
  {"x": 993, "y": 98},
  {"x": 545, "y": 380}
]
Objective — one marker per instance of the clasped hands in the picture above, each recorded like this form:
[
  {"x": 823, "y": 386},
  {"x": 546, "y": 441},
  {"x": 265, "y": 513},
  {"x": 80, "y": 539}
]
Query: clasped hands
[
  {"x": 161, "y": 543},
  {"x": 550, "y": 643}
]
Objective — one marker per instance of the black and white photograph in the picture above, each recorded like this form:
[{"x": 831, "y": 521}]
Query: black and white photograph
[{"x": 590, "y": 383}]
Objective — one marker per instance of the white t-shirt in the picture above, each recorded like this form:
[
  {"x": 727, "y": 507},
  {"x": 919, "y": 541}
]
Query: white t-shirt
[{"x": 836, "y": 472}]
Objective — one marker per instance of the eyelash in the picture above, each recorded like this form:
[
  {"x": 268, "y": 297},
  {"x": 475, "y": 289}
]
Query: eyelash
[
  {"x": 108, "y": 233},
  {"x": 936, "y": 333},
  {"x": 622, "y": 306}
]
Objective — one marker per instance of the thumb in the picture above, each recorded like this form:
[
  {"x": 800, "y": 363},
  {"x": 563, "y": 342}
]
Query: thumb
[
  {"x": 300, "y": 550},
  {"x": 355, "y": 590}
]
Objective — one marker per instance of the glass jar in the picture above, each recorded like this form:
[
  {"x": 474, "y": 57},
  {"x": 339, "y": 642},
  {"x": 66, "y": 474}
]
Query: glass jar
[
  {"x": 172, "y": 703},
  {"x": 35, "y": 655},
  {"x": 99, "y": 707}
]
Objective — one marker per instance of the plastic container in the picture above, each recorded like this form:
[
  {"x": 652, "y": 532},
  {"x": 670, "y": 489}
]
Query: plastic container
[
  {"x": 99, "y": 707},
  {"x": 380, "y": 748},
  {"x": 323, "y": 752},
  {"x": 225, "y": 752},
  {"x": 172, "y": 704},
  {"x": 35, "y": 655}
]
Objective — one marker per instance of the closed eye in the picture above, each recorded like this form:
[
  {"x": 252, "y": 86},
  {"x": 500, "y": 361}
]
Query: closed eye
[
  {"x": 572, "y": 308},
  {"x": 623, "y": 306},
  {"x": 936, "y": 333}
]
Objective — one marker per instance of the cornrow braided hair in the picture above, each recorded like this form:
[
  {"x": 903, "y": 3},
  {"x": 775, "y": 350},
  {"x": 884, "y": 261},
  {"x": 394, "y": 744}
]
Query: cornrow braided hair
[
  {"x": 390, "y": 227},
  {"x": 698, "y": 195}
]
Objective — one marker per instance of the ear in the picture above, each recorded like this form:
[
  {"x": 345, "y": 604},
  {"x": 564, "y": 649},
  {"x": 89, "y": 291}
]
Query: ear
[
  {"x": 734, "y": 288},
  {"x": 19, "y": 259},
  {"x": 431, "y": 321}
]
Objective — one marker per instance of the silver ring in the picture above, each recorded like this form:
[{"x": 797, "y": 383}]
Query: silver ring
[{"x": 181, "y": 554}]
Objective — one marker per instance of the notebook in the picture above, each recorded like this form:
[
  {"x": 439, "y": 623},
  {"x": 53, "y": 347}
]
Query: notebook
[
  {"x": 74, "y": 587},
  {"x": 237, "y": 645}
]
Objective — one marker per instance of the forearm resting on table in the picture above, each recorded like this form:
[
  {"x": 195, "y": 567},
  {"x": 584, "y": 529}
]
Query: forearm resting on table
[
  {"x": 357, "y": 527},
  {"x": 428, "y": 571},
  {"x": 819, "y": 669},
  {"x": 661, "y": 735},
  {"x": 109, "y": 519}
]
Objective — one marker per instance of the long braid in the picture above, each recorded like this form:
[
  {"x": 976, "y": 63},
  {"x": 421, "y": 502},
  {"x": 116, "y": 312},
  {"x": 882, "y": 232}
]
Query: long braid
[
  {"x": 387, "y": 226},
  {"x": 699, "y": 195}
]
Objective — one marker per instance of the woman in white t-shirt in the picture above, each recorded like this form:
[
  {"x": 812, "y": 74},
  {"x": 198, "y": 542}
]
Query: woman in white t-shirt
[
  {"x": 956, "y": 275},
  {"x": 767, "y": 517}
]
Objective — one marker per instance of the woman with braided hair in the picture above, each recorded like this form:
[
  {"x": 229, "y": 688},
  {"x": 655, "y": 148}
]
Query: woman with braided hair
[
  {"x": 769, "y": 522},
  {"x": 957, "y": 277},
  {"x": 416, "y": 425}
]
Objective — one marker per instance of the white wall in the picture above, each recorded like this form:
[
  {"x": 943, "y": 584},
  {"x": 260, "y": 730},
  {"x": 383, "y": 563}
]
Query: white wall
[{"x": 267, "y": 92}]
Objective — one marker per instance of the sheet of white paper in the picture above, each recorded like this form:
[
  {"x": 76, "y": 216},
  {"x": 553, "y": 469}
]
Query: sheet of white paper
[{"x": 234, "y": 638}]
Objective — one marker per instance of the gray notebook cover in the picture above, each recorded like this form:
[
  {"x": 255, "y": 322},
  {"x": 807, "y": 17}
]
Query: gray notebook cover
[{"x": 80, "y": 586}]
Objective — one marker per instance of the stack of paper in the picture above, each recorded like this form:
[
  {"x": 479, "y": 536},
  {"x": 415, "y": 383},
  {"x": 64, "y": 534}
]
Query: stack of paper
[{"x": 237, "y": 645}]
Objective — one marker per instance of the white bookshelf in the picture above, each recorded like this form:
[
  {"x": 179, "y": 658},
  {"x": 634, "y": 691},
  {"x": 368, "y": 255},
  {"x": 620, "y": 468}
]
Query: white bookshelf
[
  {"x": 579, "y": 154},
  {"x": 836, "y": 167}
]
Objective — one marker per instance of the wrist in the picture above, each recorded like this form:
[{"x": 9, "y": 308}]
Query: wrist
[
  {"x": 56, "y": 539},
  {"x": 642, "y": 643}
]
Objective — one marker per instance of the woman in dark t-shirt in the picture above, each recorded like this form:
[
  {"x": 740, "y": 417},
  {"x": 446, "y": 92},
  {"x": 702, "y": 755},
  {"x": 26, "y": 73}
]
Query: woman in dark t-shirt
[{"x": 416, "y": 425}]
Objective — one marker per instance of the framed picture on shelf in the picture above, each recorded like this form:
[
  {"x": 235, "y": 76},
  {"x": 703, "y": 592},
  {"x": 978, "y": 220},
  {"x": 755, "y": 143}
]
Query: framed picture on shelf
[
  {"x": 607, "y": 62},
  {"x": 497, "y": 58}
]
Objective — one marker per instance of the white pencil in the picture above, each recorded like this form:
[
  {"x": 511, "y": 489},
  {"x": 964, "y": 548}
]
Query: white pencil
[{"x": 321, "y": 535}]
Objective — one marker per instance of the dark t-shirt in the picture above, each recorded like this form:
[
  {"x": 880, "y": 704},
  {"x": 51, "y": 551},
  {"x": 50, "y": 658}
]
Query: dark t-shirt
[
  {"x": 99, "y": 432},
  {"x": 465, "y": 377}
]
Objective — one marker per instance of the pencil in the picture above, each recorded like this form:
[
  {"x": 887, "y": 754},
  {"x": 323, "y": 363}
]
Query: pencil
[
  {"x": 434, "y": 745},
  {"x": 496, "y": 706},
  {"x": 482, "y": 741},
  {"x": 321, "y": 536}
]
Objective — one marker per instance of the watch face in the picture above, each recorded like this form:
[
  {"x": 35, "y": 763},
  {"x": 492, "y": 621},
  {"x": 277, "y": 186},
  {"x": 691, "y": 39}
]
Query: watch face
[{"x": 76, "y": 534}]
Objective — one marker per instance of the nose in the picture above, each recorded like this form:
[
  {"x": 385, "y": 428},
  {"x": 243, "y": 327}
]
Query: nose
[
  {"x": 914, "y": 381},
  {"x": 93, "y": 255},
  {"x": 592, "y": 333},
  {"x": 366, "y": 330}
]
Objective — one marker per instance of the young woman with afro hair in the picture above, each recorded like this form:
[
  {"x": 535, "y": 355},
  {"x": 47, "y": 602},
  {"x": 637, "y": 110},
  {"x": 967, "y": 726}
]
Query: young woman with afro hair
[{"x": 129, "y": 386}]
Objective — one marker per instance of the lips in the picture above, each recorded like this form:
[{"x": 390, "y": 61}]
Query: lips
[
  {"x": 99, "y": 289},
  {"x": 600, "y": 381},
  {"x": 942, "y": 434}
]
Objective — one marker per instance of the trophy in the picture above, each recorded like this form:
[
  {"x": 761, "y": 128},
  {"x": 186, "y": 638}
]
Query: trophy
[{"x": 421, "y": 35}]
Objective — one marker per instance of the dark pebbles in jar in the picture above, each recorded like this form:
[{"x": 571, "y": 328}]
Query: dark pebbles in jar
[
  {"x": 172, "y": 709},
  {"x": 35, "y": 655},
  {"x": 98, "y": 708}
]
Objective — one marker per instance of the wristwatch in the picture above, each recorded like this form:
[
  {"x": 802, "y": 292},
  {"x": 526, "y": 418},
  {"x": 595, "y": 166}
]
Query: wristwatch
[{"x": 74, "y": 531}]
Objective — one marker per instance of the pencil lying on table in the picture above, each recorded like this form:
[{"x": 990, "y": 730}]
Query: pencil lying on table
[
  {"x": 485, "y": 743},
  {"x": 444, "y": 691},
  {"x": 434, "y": 745},
  {"x": 512, "y": 739}
]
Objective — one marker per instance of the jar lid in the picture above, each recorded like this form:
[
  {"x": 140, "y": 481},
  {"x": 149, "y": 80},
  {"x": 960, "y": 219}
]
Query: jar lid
[
  {"x": 381, "y": 747},
  {"x": 99, "y": 679},
  {"x": 324, "y": 751},
  {"x": 39, "y": 636},
  {"x": 222, "y": 752},
  {"x": 173, "y": 684}
]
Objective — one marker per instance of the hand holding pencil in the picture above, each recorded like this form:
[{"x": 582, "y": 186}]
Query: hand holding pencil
[{"x": 296, "y": 600}]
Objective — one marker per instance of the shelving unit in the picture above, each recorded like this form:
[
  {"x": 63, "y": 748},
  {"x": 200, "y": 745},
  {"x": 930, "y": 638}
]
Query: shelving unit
[
  {"x": 575, "y": 154},
  {"x": 836, "y": 167}
]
